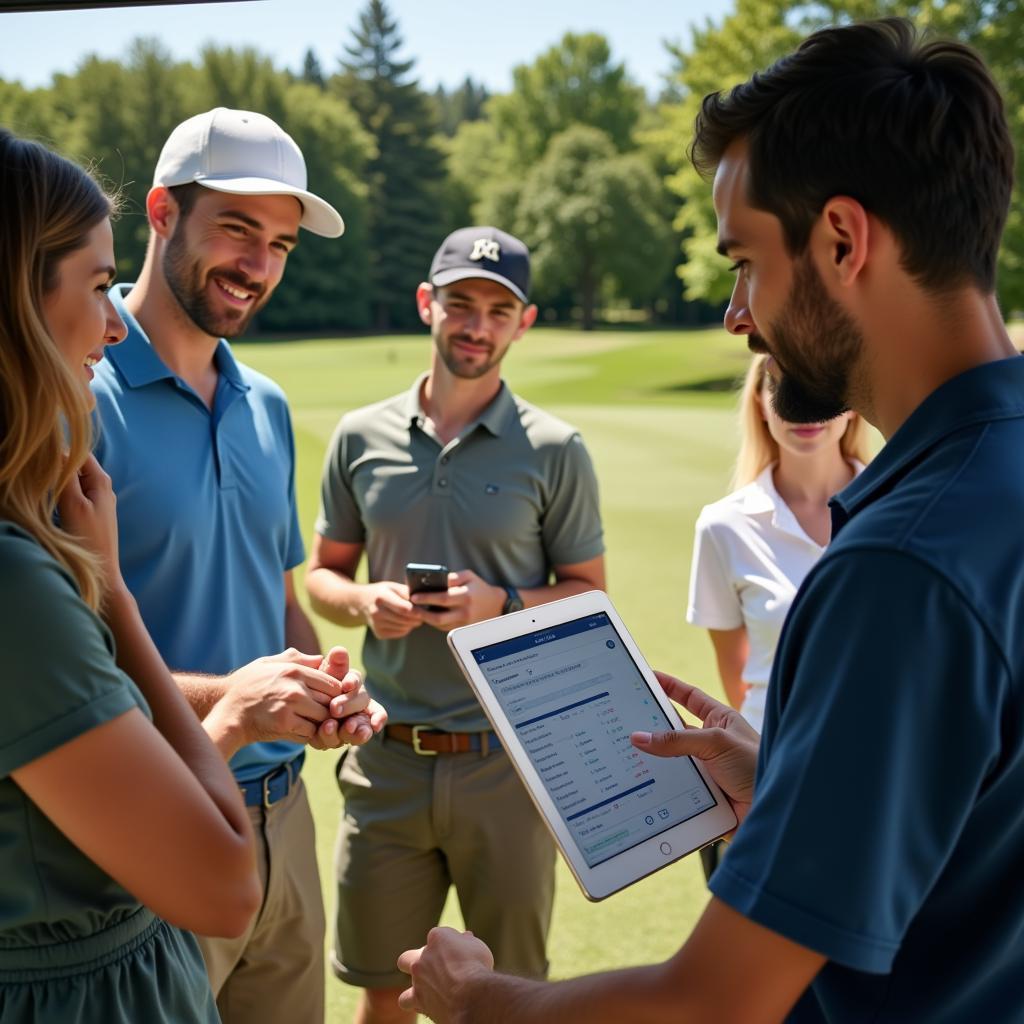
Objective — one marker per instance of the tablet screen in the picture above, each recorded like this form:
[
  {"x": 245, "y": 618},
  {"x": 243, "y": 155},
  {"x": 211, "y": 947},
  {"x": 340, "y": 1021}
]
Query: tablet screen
[{"x": 573, "y": 695}]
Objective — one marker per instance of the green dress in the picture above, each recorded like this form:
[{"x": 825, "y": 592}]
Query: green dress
[{"x": 74, "y": 945}]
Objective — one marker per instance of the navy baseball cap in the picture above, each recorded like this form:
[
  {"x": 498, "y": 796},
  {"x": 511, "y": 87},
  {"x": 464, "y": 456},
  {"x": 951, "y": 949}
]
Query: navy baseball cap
[{"x": 483, "y": 252}]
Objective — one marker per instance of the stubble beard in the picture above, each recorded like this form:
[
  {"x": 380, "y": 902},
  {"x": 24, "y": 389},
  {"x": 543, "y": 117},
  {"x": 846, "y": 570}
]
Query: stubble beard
[
  {"x": 459, "y": 368},
  {"x": 187, "y": 284}
]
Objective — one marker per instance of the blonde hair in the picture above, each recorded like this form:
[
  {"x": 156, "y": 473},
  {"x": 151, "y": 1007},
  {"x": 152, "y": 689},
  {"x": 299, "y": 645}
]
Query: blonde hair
[
  {"x": 758, "y": 449},
  {"x": 48, "y": 206}
]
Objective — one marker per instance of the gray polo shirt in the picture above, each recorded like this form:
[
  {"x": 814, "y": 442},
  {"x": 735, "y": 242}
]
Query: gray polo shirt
[{"x": 513, "y": 495}]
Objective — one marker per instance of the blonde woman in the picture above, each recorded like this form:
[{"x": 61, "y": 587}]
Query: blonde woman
[
  {"x": 754, "y": 547},
  {"x": 119, "y": 821}
]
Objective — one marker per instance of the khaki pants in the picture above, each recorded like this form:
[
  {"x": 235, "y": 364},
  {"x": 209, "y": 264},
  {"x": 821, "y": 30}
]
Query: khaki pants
[
  {"x": 414, "y": 826},
  {"x": 274, "y": 973}
]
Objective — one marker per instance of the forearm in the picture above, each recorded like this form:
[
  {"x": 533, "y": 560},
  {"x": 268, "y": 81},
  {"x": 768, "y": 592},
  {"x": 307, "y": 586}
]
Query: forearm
[
  {"x": 337, "y": 597},
  {"x": 638, "y": 995},
  {"x": 554, "y": 591},
  {"x": 298, "y": 630},
  {"x": 201, "y": 692},
  {"x": 173, "y": 716}
]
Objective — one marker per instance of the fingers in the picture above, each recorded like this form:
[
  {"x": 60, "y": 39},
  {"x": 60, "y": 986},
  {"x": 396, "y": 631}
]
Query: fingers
[
  {"x": 451, "y": 598},
  {"x": 296, "y": 657},
  {"x": 701, "y": 743},
  {"x": 349, "y": 703},
  {"x": 92, "y": 479},
  {"x": 408, "y": 958},
  {"x": 407, "y": 1000},
  {"x": 336, "y": 662},
  {"x": 696, "y": 701},
  {"x": 444, "y": 620}
]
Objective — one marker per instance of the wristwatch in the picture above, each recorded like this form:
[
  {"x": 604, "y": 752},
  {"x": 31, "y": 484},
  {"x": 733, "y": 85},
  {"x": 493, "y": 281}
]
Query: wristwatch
[{"x": 513, "y": 602}]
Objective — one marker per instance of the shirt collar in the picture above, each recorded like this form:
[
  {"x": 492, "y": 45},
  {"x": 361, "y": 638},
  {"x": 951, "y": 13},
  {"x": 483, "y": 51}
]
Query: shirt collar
[
  {"x": 137, "y": 361},
  {"x": 495, "y": 418},
  {"x": 983, "y": 394}
]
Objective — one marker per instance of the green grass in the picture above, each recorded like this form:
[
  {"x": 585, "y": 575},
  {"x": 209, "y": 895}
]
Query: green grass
[{"x": 661, "y": 431}]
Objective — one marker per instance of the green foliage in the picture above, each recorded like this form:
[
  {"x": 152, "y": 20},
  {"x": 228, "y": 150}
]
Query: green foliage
[
  {"x": 572, "y": 83},
  {"x": 406, "y": 174},
  {"x": 759, "y": 32},
  {"x": 466, "y": 103},
  {"x": 593, "y": 216},
  {"x": 327, "y": 282}
]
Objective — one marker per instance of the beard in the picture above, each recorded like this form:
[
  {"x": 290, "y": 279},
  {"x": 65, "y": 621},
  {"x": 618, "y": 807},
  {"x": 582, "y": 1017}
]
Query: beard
[
  {"x": 461, "y": 367},
  {"x": 187, "y": 283},
  {"x": 817, "y": 346}
]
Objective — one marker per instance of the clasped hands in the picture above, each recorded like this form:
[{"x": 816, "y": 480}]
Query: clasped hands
[{"x": 314, "y": 699}]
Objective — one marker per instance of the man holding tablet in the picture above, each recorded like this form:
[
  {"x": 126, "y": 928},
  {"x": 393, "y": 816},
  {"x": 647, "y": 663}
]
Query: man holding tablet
[
  {"x": 458, "y": 472},
  {"x": 861, "y": 186}
]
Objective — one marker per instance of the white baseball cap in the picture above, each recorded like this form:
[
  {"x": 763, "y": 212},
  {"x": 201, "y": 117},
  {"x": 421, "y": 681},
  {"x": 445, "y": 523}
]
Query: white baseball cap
[{"x": 243, "y": 153}]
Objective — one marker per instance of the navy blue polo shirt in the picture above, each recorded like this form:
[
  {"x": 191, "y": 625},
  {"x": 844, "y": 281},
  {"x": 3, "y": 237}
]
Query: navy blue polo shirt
[
  {"x": 887, "y": 831},
  {"x": 207, "y": 521}
]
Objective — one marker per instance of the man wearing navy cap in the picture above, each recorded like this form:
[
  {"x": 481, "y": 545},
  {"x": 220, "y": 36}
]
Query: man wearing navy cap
[
  {"x": 201, "y": 455},
  {"x": 457, "y": 471}
]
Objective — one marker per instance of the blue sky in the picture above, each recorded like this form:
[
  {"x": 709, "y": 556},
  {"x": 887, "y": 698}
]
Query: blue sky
[{"x": 448, "y": 38}]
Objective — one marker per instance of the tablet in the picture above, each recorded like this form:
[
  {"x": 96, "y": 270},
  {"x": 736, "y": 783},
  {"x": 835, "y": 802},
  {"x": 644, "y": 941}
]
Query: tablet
[{"x": 564, "y": 686}]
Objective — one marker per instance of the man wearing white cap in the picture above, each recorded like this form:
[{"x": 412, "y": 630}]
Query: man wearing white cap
[{"x": 201, "y": 454}]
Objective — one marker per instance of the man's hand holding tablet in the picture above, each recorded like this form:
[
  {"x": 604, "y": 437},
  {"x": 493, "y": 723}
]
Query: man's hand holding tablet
[
  {"x": 726, "y": 742},
  {"x": 566, "y": 687}
]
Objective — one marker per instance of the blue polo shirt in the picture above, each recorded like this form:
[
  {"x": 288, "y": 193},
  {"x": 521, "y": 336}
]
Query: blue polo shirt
[
  {"x": 207, "y": 521},
  {"x": 887, "y": 831}
]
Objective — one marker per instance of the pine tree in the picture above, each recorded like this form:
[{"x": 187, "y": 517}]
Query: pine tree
[
  {"x": 311, "y": 70},
  {"x": 406, "y": 176}
]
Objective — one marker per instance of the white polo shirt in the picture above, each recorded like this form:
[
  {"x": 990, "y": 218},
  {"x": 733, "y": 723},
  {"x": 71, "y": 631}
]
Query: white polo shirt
[{"x": 750, "y": 555}]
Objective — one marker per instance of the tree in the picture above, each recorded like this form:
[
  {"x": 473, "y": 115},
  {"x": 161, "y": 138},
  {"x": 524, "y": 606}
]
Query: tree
[
  {"x": 311, "y": 70},
  {"x": 574, "y": 82},
  {"x": 595, "y": 220},
  {"x": 466, "y": 103},
  {"x": 405, "y": 175},
  {"x": 761, "y": 31},
  {"x": 327, "y": 280}
]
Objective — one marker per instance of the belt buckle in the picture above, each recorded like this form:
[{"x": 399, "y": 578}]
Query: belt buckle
[
  {"x": 416, "y": 730},
  {"x": 267, "y": 779}
]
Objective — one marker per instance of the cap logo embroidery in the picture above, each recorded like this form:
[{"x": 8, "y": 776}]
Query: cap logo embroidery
[{"x": 486, "y": 249}]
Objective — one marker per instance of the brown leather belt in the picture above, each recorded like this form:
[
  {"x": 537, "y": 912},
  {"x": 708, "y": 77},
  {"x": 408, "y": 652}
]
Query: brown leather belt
[{"x": 433, "y": 741}]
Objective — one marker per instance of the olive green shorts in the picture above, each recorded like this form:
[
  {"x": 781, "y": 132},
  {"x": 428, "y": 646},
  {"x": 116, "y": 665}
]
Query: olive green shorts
[{"x": 413, "y": 826}]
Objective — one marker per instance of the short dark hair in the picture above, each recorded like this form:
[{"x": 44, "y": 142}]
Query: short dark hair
[
  {"x": 912, "y": 128},
  {"x": 185, "y": 196}
]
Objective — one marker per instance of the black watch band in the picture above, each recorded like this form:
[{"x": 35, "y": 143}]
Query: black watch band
[{"x": 513, "y": 602}]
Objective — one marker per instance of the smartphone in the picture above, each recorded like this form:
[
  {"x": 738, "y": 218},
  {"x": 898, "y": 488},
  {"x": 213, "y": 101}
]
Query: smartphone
[{"x": 423, "y": 577}]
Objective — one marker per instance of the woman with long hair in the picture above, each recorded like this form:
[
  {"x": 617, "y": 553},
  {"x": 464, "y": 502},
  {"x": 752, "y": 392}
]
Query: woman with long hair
[
  {"x": 120, "y": 823},
  {"x": 754, "y": 547}
]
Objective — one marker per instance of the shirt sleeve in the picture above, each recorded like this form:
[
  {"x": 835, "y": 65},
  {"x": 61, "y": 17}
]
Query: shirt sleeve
[
  {"x": 884, "y": 719},
  {"x": 571, "y": 528},
  {"x": 714, "y": 602},
  {"x": 59, "y": 676},
  {"x": 339, "y": 517}
]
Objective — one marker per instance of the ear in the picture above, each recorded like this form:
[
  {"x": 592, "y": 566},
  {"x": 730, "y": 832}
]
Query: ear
[
  {"x": 842, "y": 234},
  {"x": 162, "y": 211},
  {"x": 526, "y": 321},
  {"x": 424, "y": 297}
]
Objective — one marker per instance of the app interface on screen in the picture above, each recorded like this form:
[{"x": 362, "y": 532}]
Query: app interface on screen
[{"x": 574, "y": 694}]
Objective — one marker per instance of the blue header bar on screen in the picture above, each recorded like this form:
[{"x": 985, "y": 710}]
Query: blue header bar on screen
[{"x": 542, "y": 636}]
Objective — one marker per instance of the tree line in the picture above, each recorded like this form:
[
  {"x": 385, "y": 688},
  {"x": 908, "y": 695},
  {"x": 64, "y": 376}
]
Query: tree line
[{"x": 575, "y": 158}]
